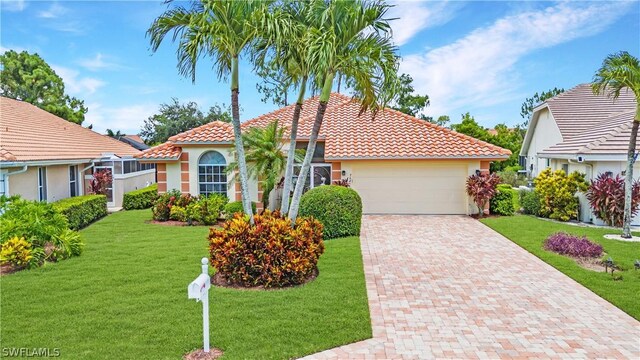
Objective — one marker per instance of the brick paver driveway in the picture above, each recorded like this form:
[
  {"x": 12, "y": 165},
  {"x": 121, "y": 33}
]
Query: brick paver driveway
[{"x": 449, "y": 287}]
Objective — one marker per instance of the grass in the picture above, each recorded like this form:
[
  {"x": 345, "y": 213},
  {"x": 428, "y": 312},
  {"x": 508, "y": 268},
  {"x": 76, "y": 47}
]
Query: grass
[
  {"x": 126, "y": 297},
  {"x": 530, "y": 233}
]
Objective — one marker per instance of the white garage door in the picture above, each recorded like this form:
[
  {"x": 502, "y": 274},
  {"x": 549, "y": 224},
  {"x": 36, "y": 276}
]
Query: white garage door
[{"x": 411, "y": 187}]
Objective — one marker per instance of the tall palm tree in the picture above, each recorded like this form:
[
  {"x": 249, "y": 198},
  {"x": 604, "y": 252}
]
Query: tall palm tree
[
  {"x": 222, "y": 30},
  {"x": 352, "y": 38},
  {"x": 621, "y": 72}
]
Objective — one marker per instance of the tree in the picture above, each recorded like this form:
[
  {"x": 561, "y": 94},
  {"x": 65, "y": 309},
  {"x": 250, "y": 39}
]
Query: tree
[
  {"x": 222, "y": 30},
  {"x": 470, "y": 127},
  {"x": 115, "y": 135},
  {"x": 352, "y": 38},
  {"x": 621, "y": 72},
  {"x": 27, "y": 77},
  {"x": 481, "y": 188},
  {"x": 508, "y": 138},
  {"x": 275, "y": 84},
  {"x": 527, "y": 106},
  {"x": 408, "y": 102},
  {"x": 176, "y": 117}
]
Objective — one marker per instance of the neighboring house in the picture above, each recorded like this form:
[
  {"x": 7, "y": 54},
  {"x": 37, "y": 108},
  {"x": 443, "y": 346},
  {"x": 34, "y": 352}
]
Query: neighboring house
[
  {"x": 133, "y": 140},
  {"x": 397, "y": 163},
  {"x": 580, "y": 131},
  {"x": 46, "y": 158}
]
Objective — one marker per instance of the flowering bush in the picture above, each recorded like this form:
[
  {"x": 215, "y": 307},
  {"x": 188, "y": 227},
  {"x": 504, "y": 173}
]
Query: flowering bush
[
  {"x": 270, "y": 253},
  {"x": 557, "y": 192},
  {"x": 482, "y": 187},
  {"x": 606, "y": 197},
  {"x": 570, "y": 245},
  {"x": 102, "y": 180}
]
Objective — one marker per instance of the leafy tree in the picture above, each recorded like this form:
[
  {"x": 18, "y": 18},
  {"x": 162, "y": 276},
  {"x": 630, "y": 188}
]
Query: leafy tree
[
  {"x": 222, "y": 30},
  {"x": 27, "y": 77},
  {"x": 352, "y": 38},
  {"x": 621, "y": 72},
  {"x": 469, "y": 126},
  {"x": 116, "y": 135},
  {"x": 527, "y": 106},
  {"x": 508, "y": 138},
  {"x": 176, "y": 117},
  {"x": 275, "y": 84},
  {"x": 408, "y": 102}
]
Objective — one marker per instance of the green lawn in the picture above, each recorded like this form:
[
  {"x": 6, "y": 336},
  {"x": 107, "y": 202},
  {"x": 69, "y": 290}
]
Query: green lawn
[
  {"x": 530, "y": 233},
  {"x": 126, "y": 297}
]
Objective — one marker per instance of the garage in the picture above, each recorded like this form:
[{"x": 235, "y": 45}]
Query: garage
[{"x": 410, "y": 186}]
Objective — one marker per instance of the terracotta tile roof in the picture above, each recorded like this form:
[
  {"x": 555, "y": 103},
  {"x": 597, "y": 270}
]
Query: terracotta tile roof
[
  {"x": 135, "y": 138},
  {"x": 167, "y": 151},
  {"x": 28, "y": 133},
  {"x": 578, "y": 109},
  {"x": 348, "y": 135}
]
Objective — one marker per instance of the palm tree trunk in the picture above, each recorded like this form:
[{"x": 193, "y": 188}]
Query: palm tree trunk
[
  {"x": 288, "y": 174},
  {"x": 311, "y": 147},
  {"x": 237, "y": 133},
  {"x": 628, "y": 179}
]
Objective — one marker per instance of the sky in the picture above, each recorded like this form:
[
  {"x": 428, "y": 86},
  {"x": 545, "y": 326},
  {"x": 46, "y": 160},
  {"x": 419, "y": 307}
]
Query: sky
[{"x": 480, "y": 57}]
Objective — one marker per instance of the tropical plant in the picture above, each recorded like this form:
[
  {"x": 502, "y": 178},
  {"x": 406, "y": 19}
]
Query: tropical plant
[
  {"x": 352, "y": 38},
  {"x": 234, "y": 207},
  {"x": 502, "y": 202},
  {"x": 222, "y": 30},
  {"x": 482, "y": 187},
  {"x": 35, "y": 221},
  {"x": 557, "y": 192},
  {"x": 210, "y": 208},
  {"x": 162, "y": 205},
  {"x": 606, "y": 197},
  {"x": 571, "y": 245},
  {"x": 621, "y": 72},
  {"x": 273, "y": 253},
  {"x": 338, "y": 208},
  {"x": 66, "y": 244},
  {"x": 115, "y": 134},
  {"x": 102, "y": 180},
  {"x": 16, "y": 252},
  {"x": 178, "y": 213}
]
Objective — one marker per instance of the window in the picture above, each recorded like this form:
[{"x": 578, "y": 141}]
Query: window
[
  {"x": 42, "y": 184},
  {"x": 319, "y": 174},
  {"x": 73, "y": 180},
  {"x": 212, "y": 175},
  {"x": 548, "y": 162},
  {"x": 3, "y": 184},
  {"x": 522, "y": 161}
]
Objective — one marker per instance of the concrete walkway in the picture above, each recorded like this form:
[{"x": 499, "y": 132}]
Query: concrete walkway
[{"x": 449, "y": 287}]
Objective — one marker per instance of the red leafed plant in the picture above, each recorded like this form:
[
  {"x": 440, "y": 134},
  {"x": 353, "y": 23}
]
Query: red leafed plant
[
  {"x": 606, "y": 197},
  {"x": 482, "y": 187},
  {"x": 100, "y": 183}
]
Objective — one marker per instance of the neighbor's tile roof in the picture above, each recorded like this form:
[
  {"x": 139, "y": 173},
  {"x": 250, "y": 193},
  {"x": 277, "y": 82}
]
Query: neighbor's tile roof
[
  {"x": 167, "y": 151},
  {"x": 351, "y": 135},
  {"x": 28, "y": 133}
]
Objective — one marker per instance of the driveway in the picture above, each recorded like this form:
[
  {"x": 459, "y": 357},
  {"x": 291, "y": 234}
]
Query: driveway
[{"x": 450, "y": 287}]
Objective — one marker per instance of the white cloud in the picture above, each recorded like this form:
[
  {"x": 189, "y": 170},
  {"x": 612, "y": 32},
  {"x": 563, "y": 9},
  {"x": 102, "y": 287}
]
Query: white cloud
[
  {"x": 13, "y": 5},
  {"x": 99, "y": 62},
  {"x": 415, "y": 16},
  {"x": 75, "y": 84},
  {"x": 128, "y": 119},
  {"x": 53, "y": 12},
  {"x": 480, "y": 68}
]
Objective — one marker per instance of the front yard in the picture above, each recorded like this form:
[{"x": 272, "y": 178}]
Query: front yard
[
  {"x": 530, "y": 233},
  {"x": 126, "y": 297}
]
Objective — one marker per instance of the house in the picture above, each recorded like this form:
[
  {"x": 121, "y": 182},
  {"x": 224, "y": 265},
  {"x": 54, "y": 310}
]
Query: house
[
  {"x": 580, "y": 131},
  {"x": 397, "y": 163},
  {"x": 46, "y": 158}
]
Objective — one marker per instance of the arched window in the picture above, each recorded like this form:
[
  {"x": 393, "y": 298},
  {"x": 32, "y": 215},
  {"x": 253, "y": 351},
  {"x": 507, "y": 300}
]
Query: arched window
[{"x": 212, "y": 175}]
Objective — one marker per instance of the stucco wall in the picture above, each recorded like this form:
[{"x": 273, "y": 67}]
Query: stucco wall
[
  {"x": 26, "y": 184},
  {"x": 173, "y": 176},
  {"x": 545, "y": 134},
  {"x": 130, "y": 182}
]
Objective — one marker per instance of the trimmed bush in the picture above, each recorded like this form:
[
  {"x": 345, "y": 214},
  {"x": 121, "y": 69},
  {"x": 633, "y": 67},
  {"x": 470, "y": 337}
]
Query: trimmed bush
[
  {"x": 81, "y": 211},
  {"x": 557, "y": 192},
  {"x": 141, "y": 198},
  {"x": 236, "y": 207},
  {"x": 338, "y": 208},
  {"x": 530, "y": 202},
  {"x": 271, "y": 253},
  {"x": 502, "y": 202},
  {"x": 570, "y": 245}
]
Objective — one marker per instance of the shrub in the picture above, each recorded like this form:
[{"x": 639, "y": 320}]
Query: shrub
[
  {"x": 482, "y": 187},
  {"x": 338, "y": 208},
  {"x": 570, "y": 245},
  {"x": 35, "y": 221},
  {"x": 178, "y": 213},
  {"x": 210, "y": 208},
  {"x": 271, "y": 253},
  {"x": 16, "y": 252},
  {"x": 530, "y": 202},
  {"x": 81, "y": 211},
  {"x": 101, "y": 181},
  {"x": 141, "y": 198},
  {"x": 236, "y": 207},
  {"x": 606, "y": 197},
  {"x": 162, "y": 205},
  {"x": 502, "y": 202},
  {"x": 557, "y": 192},
  {"x": 66, "y": 244},
  {"x": 510, "y": 176}
]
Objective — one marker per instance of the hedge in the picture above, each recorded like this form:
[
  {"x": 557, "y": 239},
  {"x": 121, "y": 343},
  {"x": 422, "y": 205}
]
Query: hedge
[
  {"x": 141, "y": 198},
  {"x": 502, "y": 202},
  {"x": 81, "y": 211},
  {"x": 338, "y": 208}
]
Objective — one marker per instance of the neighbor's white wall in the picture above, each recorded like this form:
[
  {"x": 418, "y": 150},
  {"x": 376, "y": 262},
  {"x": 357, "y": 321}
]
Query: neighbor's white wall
[
  {"x": 545, "y": 134},
  {"x": 24, "y": 184},
  {"x": 131, "y": 182}
]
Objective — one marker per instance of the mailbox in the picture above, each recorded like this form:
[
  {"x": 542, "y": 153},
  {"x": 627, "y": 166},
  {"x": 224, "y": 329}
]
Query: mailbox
[
  {"x": 198, "y": 287},
  {"x": 199, "y": 290}
]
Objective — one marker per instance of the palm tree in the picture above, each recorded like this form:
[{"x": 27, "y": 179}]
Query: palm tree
[
  {"x": 352, "y": 38},
  {"x": 222, "y": 30},
  {"x": 265, "y": 157},
  {"x": 620, "y": 72},
  {"x": 116, "y": 135}
]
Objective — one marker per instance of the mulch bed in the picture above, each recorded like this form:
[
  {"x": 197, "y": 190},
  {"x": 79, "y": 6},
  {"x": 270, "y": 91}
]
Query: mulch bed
[
  {"x": 199, "y": 354},
  {"x": 179, "y": 223},
  {"x": 219, "y": 280},
  {"x": 7, "y": 269}
]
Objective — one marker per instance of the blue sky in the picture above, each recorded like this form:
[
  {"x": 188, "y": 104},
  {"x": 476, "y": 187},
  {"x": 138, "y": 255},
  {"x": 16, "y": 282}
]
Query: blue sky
[{"x": 479, "y": 57}]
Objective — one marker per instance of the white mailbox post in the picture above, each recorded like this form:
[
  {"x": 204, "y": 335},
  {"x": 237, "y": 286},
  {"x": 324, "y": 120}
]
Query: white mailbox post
[{"x": 199, "y": 290}]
